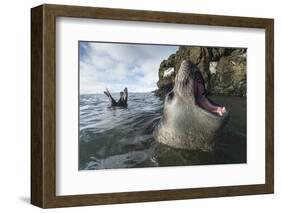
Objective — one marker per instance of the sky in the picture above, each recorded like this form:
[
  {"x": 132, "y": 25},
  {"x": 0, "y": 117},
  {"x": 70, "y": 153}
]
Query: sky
[{"x": 116, "y": 66}]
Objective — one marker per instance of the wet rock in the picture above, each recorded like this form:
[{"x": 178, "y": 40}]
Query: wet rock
[{"x": 223, "y": 69}]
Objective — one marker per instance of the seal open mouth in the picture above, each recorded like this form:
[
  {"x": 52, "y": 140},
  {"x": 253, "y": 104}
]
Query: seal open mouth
[{"x": 201, "y": 99}]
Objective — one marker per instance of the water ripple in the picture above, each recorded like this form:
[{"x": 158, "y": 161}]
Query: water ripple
[{"x": 113, "y": 137}]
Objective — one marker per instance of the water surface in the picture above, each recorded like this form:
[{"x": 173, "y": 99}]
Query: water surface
[{"x": 122, "y": 137}]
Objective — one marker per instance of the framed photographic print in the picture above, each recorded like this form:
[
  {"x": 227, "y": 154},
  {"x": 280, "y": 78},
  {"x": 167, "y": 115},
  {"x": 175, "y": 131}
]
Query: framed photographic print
[{"x": 136, "y": 106}]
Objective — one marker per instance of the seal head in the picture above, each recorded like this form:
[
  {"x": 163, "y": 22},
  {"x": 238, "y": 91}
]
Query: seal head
[{"x": 190, "y": 120}]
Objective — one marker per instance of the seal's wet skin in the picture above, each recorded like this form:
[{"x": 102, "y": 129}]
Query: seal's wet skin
[{"x": 190, "y": 120}]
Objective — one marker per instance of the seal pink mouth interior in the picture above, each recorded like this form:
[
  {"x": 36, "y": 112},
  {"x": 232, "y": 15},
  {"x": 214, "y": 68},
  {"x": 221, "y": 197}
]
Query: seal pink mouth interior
[{"x": 202, "y": 100}]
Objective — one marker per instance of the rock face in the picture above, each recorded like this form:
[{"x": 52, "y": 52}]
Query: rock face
[{"x": 223, "y": 69}]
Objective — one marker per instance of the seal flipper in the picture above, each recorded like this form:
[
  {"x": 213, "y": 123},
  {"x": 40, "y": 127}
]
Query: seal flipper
[
  {"x": 113, "y": 102},
  {"x": 125, "y": 95},
  {"x": 123, "y": 98}
]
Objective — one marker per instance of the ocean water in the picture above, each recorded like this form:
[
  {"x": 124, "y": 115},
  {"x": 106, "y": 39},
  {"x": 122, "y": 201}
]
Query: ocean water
[{"x": 113, "y": 137}]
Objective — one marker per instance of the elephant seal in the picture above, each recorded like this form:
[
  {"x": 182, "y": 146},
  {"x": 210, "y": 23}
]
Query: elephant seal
[{"x": 190, "y": 120}]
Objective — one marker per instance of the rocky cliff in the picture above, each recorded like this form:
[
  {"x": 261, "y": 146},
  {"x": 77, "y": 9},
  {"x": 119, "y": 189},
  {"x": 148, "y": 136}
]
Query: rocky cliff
[{"x": 223, "y": 69}]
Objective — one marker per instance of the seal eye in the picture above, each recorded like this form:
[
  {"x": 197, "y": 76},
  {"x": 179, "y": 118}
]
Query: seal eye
[{"x": 170, "y": 96}]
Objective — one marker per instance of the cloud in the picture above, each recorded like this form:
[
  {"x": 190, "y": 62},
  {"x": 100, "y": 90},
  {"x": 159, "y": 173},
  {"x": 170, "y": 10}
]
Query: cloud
[{"x": 116, "y": 66}]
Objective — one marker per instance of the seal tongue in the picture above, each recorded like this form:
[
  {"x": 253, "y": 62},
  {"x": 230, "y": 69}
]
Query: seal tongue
[{"x": 204, "y": 103}]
